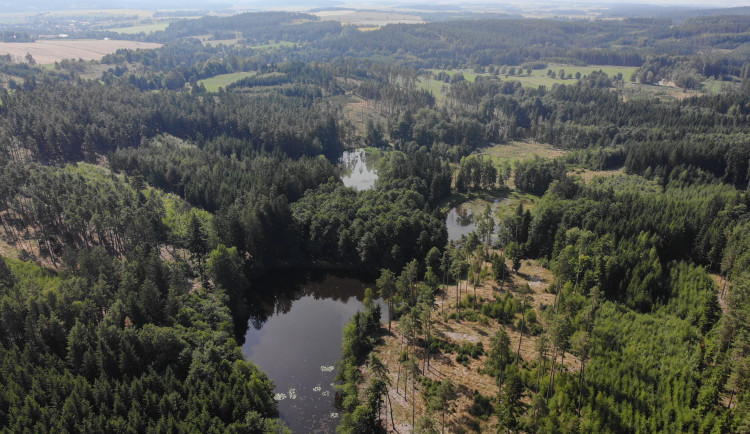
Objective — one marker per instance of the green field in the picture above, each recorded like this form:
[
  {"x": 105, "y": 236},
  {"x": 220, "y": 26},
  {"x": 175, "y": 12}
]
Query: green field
[
  {"x": 143, "y": 28},
  {"x": 214, "y": 83}
]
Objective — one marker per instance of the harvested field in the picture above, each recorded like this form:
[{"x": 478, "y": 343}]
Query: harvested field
[{"x": 51, "y": 51}]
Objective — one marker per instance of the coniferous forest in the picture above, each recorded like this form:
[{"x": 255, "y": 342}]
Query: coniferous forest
[{"x": 604, "y": 286}]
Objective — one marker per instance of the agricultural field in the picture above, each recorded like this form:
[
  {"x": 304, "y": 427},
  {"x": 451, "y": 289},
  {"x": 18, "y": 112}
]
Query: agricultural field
[
  {"x": 142, "y": 28},
  {"x": 214, "y": 83},
  {"x": 51, "y": 51}
]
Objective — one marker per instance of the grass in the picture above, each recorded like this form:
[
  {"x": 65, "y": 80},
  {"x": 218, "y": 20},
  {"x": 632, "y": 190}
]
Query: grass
[
  {"x": 434, "y": 86},
  {"x": 143, "y": 28},
  {"x": 272, "y": 45},
  {"x": 588, "y": 175},
  {"x": 711, "y": 86},
  {"x": 214, "y": 83},
  {"x": 503, "y": 202},
  {"x": 357, "y": 111},
  {"x": 538, "y": 77},
  {"x": 521, "y": 151}
]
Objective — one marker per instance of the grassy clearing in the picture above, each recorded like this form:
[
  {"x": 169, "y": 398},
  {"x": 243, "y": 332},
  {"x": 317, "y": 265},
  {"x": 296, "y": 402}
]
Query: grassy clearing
[
  {"x": 435, "y": 87},
  {"x": 503, "y": 201},
  {"x": 638, "y": 90},
  {"x": 469, "y": 74},
  {"x": 272, "y": 45},
  {"x": 142, "y": 28},
  {"x": 539, "y": 77},
  {"x": 214, "y": 83},
  {"x": 217, "y": 42},
  {"x": 711, "y": 86},
  {"x": 588, "y": 175},
  {"x": 358, "y": 112},
  {"x": 521, "y": 151}
]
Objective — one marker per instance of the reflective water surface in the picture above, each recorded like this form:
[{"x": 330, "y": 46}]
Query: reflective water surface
[
  {"x": 294, "y": 335},
  {"x": 461, "y": 220},
  {"x": 359, "y": 169}
]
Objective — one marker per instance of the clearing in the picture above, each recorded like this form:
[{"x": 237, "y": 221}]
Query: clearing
[
  {"x": 537, "y": 78},
  {"x": 214, "y": 83},
  {"x": 588, "y": 175},
  {"x": 521, "y": 151}
]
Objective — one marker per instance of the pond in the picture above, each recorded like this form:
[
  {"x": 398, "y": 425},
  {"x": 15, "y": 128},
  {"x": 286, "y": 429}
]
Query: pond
[
  {"x": 459, "y": 222},
  {"x": 358, "y": 168},
  {"x": 294, "y": 335},
  {"x": 460, "y": 219}
]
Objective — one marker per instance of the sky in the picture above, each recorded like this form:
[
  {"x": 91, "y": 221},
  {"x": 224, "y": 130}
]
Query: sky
[{"x": 57, "y": 5}]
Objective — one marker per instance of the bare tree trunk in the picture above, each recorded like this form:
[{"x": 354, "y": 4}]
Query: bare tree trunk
[
  {"x": 398, "y": 376},
  {"x": 520, "y": 337},
  {"x": 539, "y": 374},
  {"x": 552, "y": 374},
  {"x": 458, "y": 300},
  {"x": 580, "y": 387},
  {"x": 443, "y": 430},
  {"x": 390, "y": 308},
  {"x": 393, "y": 424},
  {"x": 429, "y": 332},
  {"x": 475, "y": 291},
  {"x": 413, "y": 400},
  {"x": 406, "y": 384}
]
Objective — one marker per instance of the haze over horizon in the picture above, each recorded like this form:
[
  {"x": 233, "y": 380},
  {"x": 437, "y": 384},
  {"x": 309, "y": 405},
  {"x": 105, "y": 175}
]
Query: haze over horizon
[{"x": 42, "y": 6}]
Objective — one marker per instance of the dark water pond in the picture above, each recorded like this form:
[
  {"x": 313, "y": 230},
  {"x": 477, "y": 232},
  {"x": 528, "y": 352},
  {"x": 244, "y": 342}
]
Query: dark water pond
[
  {"x": 294, "y": 335},
  {"x": 359, "y": 169}
]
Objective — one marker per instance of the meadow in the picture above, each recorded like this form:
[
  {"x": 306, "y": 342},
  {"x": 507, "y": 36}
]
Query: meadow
[
  {"x": 214, "y": 83},
  {"x": 142, "y": 28}
]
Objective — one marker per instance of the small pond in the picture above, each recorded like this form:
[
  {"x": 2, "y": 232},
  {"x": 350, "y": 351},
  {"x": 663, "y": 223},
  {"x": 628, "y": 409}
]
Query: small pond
[
  {"x": 460, "y": 219},
  {"x": 294, "y": 335},
  {"x": 358, "y": 168}
]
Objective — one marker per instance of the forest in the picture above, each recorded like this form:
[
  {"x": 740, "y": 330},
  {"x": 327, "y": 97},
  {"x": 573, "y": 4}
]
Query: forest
[{"x": 604, "y": 286}]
